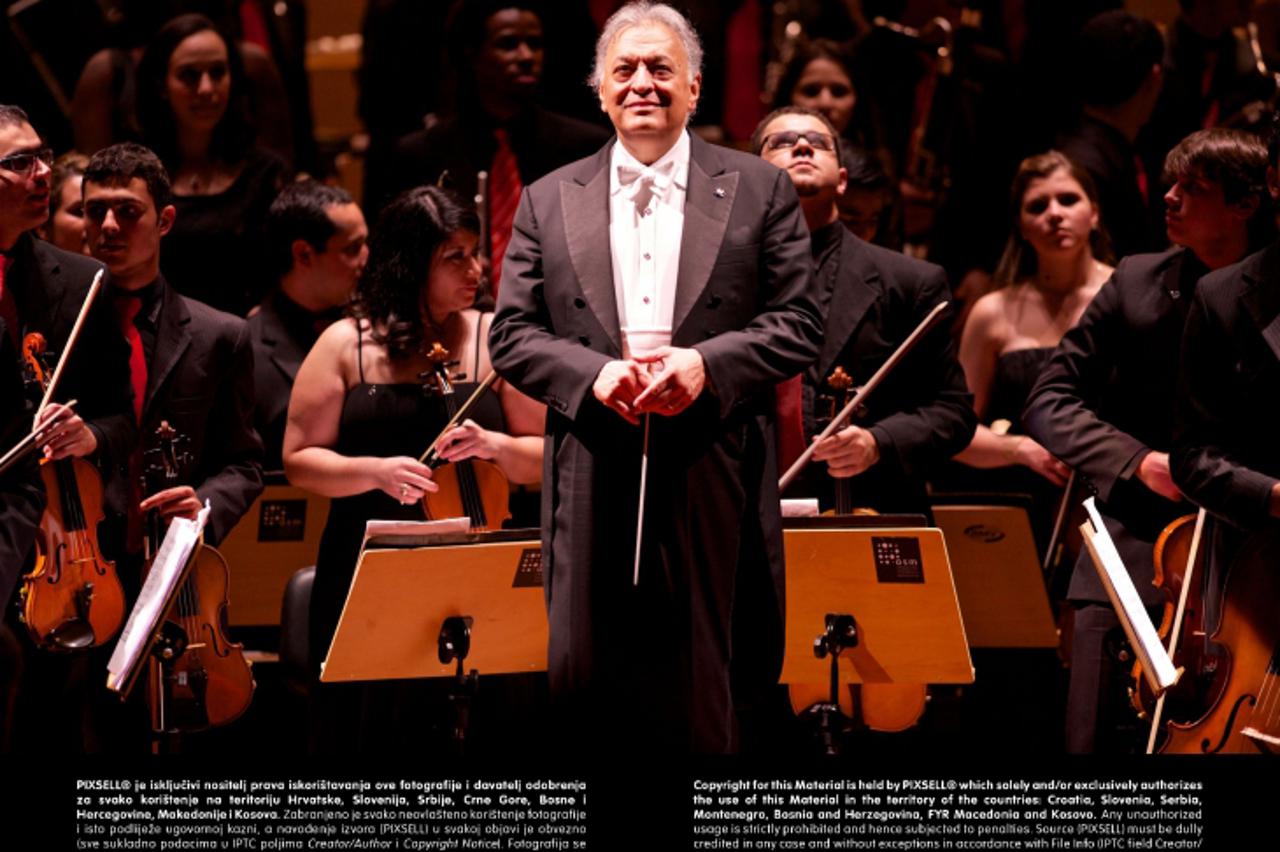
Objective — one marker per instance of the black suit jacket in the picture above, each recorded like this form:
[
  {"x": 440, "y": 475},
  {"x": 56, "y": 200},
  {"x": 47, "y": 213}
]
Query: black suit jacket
[
  {"x": 744, "y": 301},
  {"x": 22, "y": 496},
  {"x": 200, "y": 380},
  {"x": 1105, "y": 400},
  {"x": 923, "y": 412},
  {"x": 1109, "y": 158},
  {"x": 464, "y": 145},
  {"x": 50, "y": 286},
  {"x": 277, "y": 355},
  {"x": 1225, "y": 453}
]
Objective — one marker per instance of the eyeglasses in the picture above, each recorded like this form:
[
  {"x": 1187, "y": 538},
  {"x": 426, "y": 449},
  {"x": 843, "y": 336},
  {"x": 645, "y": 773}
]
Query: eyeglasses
[
  {"x": 24, "y": 163},
  {"x": 817, "y": 140}
]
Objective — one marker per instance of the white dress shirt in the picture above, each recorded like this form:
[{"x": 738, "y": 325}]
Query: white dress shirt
[{"x": 646, "y": 223}]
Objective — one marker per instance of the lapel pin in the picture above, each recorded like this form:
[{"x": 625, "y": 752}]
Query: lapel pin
[{"x": 719, "y": 192}]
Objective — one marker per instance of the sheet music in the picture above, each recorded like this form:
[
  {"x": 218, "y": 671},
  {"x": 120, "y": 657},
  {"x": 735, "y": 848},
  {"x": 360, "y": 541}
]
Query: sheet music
[
  {"x": 166, "y": 569},
  {"x": 804, "y": 507},
  {"x": 1124, "y": 597},
  {"x": 384, "y": 528}
]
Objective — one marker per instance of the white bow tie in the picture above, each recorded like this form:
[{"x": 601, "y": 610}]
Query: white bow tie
[{"x": 642, "y": 184}]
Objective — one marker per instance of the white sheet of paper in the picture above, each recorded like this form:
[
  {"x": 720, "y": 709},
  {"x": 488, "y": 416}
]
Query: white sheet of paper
[
  {"x": 803, "y": 507},
  {"x": 381, "y": 528},
  {"x": 166, "y": 568},
  {"x": 1116, "y": 577}
]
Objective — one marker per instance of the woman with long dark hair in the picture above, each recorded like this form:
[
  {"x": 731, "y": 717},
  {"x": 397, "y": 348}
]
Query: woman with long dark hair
[
  {"x": 194, "y": 110},
  {"x": 359, "y": 416}
]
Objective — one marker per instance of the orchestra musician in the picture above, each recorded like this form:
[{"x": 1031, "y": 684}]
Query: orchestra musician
[
  {"x": 1224, "y": 454},
  {"x": 317, "y": 241},
  {"x": 870, "y": 299},
  {"x": 360, "y": 417},
  {"x": 190, "y": 365},
  {"x": 1104, "y": 402},
  {"x": 658, "y": 236},
  {"x": 43, "y": 289},
  {"x": 496, "y": 47},
  {"x": 1056, "y": 259}
]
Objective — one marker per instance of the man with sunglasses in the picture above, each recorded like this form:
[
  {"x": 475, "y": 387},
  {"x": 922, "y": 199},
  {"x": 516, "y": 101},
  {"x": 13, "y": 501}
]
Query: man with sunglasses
[{"x": 871, "y": 299}]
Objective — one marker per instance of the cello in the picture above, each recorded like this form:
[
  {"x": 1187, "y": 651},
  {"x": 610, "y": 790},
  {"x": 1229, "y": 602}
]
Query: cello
[
  {"x": 210, "y": 683},
  {"x": 471, "y": 488},
  {"x": 72, "y": 599}
]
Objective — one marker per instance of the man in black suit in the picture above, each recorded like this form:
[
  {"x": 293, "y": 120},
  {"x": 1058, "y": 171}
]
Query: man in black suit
[
  {"x": 871, "y": 299},
  {"x": 317, "y": 238},
  {"x": 1120, "y": 84},
  {"x": 496, "y": 46},
  {"x": 1104, "y": 403},
  {"x": 1225, "y": 456},
  {"x": 42, "y": 289},
  {"x": 193, "y": 364},
  {"x": 657, "y": 237}
]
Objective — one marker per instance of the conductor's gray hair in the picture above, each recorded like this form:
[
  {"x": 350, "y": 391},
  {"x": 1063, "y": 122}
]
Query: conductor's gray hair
[{"x": 644, "y": 12}]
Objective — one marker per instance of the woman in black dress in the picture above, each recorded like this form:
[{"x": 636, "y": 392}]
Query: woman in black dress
[
  {"x": 193, "y": 107},
  {"x": 359, "y": 417},
  {"x": 1053, "y": 265}
]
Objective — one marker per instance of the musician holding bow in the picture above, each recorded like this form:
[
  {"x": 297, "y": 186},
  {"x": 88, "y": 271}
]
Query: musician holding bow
[
  {"x": 365, "y": 407},
  {"x": 871, "y": 299}
]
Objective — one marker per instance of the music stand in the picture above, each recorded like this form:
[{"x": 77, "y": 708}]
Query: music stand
[
  {"x": 278, "y": 535},
  {"x": 423, "y": 606},
  {"x": 876, "y": 593},
  {"x": 997, "y": 570}
]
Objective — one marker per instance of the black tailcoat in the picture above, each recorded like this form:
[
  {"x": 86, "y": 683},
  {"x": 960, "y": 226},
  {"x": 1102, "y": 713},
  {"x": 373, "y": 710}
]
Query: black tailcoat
[{"x": 712, "y": 526}]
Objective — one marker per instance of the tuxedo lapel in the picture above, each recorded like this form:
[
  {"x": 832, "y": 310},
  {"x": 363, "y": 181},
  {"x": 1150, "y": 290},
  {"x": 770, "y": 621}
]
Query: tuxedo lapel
[
  {"x": 584, "y": 206},
  {"x": 708, "y": 202},
  {"x": 854, "y": 290},
  {"x": 1262, "y": 297},
  {"x": 172, "y": 339}
]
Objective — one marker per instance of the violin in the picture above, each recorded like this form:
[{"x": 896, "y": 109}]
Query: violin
[
  {"x": 72, "y": 599},
  {"x": 211, "y": 683},
  {"x": 888, "y": 707},
  {"x": 1244, "y": 716},
  {"x": 1203, "y": 679},
  {"x": 471, "y": 488}
]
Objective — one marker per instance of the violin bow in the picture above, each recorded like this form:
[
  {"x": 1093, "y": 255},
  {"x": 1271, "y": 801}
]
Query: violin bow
[
  {"x": 859, "y": 398},
  {"x": 71, "y": 341}
]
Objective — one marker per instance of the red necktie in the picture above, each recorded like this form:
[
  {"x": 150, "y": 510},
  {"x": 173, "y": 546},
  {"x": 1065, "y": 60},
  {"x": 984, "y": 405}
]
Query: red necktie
[
  {"x": 1140, "y": 175},
  {"x": 790, "y": 421},
  {"x": 504, "y": 197},
  {"x": 9, "y": 308},
  {"x": 127, "y": 307},
  {"x": 744, "y": 49}
]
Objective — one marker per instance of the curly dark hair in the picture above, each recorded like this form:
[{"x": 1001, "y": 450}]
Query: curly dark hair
[
  {"x": 234, "y": 134},
  {"x": 118, "y": 164},
  {"x": 410, "y": 230}
]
